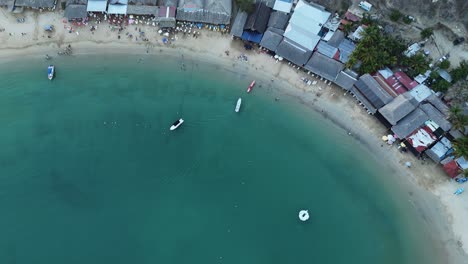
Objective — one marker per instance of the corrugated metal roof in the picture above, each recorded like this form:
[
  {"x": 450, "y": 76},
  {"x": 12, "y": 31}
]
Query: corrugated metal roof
[
  {"x": 258, "y": 20},
  {"x": 271, "y": 39},
  {"x": 293, "y": 52},
  {"x": 372, "y": 90},
  {"x": 96, "y": 6},
  {"x": 238, "y": 25},
  {"x": 397, "y": 109},
  {"x": 324, "y": 66},
  {"x": 283, "y": 5},
  {"x": 278, "y": 20},
  {"x": 410, "y": 123},
  {"x": 346, "y": 47},
  {"x": 325, "y": 49},
  {"x": 345, "y": 80},
  {"x": 75, "y": 12}
]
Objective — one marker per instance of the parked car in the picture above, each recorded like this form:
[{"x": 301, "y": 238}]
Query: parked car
[{"x": 458, "y": 41}]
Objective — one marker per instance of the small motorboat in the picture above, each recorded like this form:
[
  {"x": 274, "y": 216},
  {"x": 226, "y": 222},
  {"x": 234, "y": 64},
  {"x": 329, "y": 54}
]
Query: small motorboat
[
  {"x": 176, "y": 124},
  {"x": 459, "y": 191},
  {"x": 304, "y": 215},
  {"x": 252, "y": 84},
  {"x": 238, "y": 105},
  {"x": 50, "y": 72}
]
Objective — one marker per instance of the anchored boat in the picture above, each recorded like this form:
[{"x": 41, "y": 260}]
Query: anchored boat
[
  {"x": 252, "y": 84},
  {"x": 238, "y": 105},
  {"x": 176, "y": 124},
  {"x": 304, "y": 215},
  {"x": 50, "y": 72}
]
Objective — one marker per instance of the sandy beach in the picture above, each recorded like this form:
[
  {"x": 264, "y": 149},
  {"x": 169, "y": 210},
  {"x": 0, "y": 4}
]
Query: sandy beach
[{"x": 425, "y": 185}]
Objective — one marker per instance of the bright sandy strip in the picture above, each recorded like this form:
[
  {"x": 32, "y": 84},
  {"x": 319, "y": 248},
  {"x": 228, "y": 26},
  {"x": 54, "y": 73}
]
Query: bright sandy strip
[{"x": 426, "y": 186}]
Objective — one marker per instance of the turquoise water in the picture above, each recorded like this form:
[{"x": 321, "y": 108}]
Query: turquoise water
[{"x": 91, "y": 174}]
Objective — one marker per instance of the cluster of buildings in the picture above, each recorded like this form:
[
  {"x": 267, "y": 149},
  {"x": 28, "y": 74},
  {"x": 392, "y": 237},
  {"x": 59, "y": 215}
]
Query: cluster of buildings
[{"x": 308, "y": 36}]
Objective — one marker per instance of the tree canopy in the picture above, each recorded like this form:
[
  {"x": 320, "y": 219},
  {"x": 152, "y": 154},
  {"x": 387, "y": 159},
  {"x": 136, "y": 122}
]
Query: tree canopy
[
  {"x": 375, "y": 50},
  {"x": 246, "y": 5}
]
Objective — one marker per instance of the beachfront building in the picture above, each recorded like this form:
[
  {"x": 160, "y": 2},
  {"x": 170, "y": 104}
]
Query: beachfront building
[
  {"x": 440, "y": 150},
  {"x": 274, "y": 33},
  {"x": 36, "y": 4},
  {"x": 324, "y": 66},
  {"x": 75, "y": 10},
  {"x": 256, "y": 23},
  {"x": 97, "y": 6},
  {"x": 303, "y": 32},
  {"x": 398, "y": 108},
  {"x": 346, "y": 79},
  {"x": 421, "y": 92},
  {"x": 237, "y": 27},
  {"x": 142, "y": 7},
  {"x": 217, "y": 12},
  {"x": 117, "y": 7},
  {"x": 369, "y": 93}
]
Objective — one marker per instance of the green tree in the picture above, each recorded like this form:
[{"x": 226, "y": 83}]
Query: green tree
[
  {"x": 395, "y": 15},
  {"x": 375, "y": 50},
  {"x": 440, "y": 85},
  {"x": 347, "y": 28},
  {"x": 444, "y": 64},
  {"x": 416, "y": 64},
  {"x": 458, "y": 119},
  {"x": 246, "y": 5},
  {"x": 461, "y": 72},
  {"x": 427, "y": 32},
  {"x": 461, "y": 146}
]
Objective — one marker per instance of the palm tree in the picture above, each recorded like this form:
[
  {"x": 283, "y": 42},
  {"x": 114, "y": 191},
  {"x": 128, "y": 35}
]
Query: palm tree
[
  {"x": 461, "y": 146},
  {"x": 457, "y": 117}
]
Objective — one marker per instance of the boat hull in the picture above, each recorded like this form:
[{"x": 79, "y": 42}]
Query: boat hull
[
  {"x": 251, "y": 86},
  {"x": 176, "y": 124},
  {"x": 50, "y": 72},
  {"x": 238, "y": 105}
]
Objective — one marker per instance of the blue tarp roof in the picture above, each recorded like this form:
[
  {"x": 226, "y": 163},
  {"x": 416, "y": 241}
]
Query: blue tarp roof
[{"x": 252, "y": 36}]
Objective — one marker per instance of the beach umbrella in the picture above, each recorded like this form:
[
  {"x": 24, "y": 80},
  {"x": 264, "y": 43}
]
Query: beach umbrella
[{"x": 408, "y": 164}]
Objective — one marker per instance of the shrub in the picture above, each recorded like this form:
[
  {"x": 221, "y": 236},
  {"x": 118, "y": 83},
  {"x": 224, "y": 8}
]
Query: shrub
[
  {"x": 395, "y": 15},
  {"x": 407, "y": 20},
  {"x": 444, "y": 64},
  {"x": 427, "y": 32}
]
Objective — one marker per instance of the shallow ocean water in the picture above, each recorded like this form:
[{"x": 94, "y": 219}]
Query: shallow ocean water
[{"x": 90, "y": 173}]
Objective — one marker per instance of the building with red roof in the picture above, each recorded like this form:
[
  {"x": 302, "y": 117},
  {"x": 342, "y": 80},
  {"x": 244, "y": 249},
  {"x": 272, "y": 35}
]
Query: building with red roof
[
  {"x": 452, "y": 169},
  {"x": 405, "y": 80}
]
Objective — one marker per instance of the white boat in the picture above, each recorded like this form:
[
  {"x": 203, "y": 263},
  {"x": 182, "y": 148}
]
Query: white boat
[
  {"x": 50, "y": 72},
  {"x": 238, "y": 105},
  {"x": 303, "y": 215},
  {"x": 176, "y": 124}
]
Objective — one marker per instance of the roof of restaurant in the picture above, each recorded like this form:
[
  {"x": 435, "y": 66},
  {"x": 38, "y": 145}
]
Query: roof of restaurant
[
  {"x": 218, "y": 11},
  {"x": 96, "y": 6},
  {"x": 35, "y": 3},
  {"x": 237, "y": 27},
  {"x": 437, "y": 103},
  {"x": 324, "y": 66},
  {"x": 293, "y": 52},
  {"x": 436, "y": 116},
  {"x": 271, "y": 39},
  {"x": 346, "y": 47},
  {"x": 143, "y": 2},
  {"x": 326, "y": 49},
  {"x": 258, "y": 20},
  {"x": 75, "y": 12},
  {"x": 142, "y": 10},
  {"x": 439, "y": 150},
  {"x": 278, "y": 20},
  {"x": 410, "y": 123},
  {"x": 117, "y": 7},
  {"x": 372, "y": 90},
  {"x": 362, "y": 99},
  {"x": 346, "y": 79},
  {"x": 397, "y": 109}
]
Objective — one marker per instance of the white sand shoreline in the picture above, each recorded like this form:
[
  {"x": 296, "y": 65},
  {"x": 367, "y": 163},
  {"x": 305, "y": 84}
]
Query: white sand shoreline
[{"x": 427, "y": 187}]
